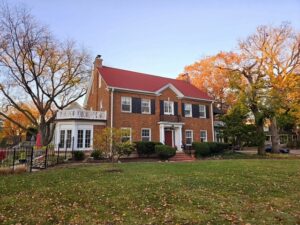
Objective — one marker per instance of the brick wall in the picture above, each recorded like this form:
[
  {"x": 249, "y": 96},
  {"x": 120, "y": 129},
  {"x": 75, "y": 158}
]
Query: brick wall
[{"x": 137, "y": 121}]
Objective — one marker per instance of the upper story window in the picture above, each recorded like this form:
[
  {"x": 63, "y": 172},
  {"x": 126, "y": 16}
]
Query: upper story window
[
  {"x": 146, "y": 134},
  {"x": 168, "y": 108},
  {"x": 126, "y": 134},
  {"x": 146, "y": 107},
  {"x": 126, "y": 104},
  {"x": 188, "y": 137},
  {"x": 203, "y": 135},
  {"x": 202, "y": 111},
  {"x": 188, "y": 110}
]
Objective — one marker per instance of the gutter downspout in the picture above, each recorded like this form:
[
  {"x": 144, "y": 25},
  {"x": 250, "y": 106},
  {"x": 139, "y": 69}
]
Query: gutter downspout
[
  {"x": 212, "y": 121},
  {"x": 111, "y": 117}
]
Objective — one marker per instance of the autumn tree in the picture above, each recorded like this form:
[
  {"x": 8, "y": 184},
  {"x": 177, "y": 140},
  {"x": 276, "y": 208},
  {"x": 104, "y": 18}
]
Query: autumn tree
[
  {"x": 12, "y": 131},
  {"x": 207, "y": 75},
  {"x": 37, "y": 69},
  {"x": 110, "y": 142},
  {"x": 271, "y": 57}
]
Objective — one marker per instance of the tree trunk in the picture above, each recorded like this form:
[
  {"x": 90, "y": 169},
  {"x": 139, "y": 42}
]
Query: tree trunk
[
  {"x": 46, "y": 131},
  {"x": 274, "y": 135},
  {"x": 261, "y": 139}
]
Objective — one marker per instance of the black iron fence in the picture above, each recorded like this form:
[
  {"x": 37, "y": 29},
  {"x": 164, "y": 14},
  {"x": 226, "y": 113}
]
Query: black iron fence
[{"x": 29, "y": 158}]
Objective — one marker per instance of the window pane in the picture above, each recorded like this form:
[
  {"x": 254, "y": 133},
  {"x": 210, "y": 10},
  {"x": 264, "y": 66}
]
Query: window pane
[
  {"x": 126, "y": 104},
  {"x": 145, "y": 106},
  {"x": 187, "y": 109},
  {"x": 62, "y": 139},
  {"x": 188, "y": 137},
  {"x": 87, "y": 138},
  {"x": 69, "y": 138},
  {"x": 203, "y": 136},
  {"x": 145, "y": 134},
  {"x": 168, "y": 107},
  {"x": 126, "y": 134},
  {"x": 79, "y": 138},
  {"x": 202, "y": 111}
]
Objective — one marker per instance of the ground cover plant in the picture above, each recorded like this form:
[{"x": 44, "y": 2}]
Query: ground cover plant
[{"x": 256, "y": 191}]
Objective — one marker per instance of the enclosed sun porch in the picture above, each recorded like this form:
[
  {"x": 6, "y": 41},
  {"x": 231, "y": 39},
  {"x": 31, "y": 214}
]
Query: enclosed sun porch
[{"x": 74, "y": 129}]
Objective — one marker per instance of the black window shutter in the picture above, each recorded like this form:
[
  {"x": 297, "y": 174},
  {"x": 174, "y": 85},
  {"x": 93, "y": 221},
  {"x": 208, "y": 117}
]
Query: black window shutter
[
  {"x": 136, "y": 105},
  {"x": 152, "y": 106},
  {"x": 161, "y": 103},
  {"x": 195, "y": 111},
  {"x": 175, "y": 108},
  {"x": 182, "y": 109},
  {"x": 207, "y": 111}
]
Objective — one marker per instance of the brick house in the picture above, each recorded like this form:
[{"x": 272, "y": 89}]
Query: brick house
[{"x": 145, "y": 107}]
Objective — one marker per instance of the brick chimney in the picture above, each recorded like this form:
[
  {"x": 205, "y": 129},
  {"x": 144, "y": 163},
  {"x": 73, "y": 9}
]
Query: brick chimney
[{"x": 98, "y": 61}]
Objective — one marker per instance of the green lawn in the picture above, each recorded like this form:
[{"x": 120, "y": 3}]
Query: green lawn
[{"x": 210, "y": 191}]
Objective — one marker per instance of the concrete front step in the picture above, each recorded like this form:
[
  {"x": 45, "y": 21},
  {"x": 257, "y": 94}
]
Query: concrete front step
[{"x": 181, "y": 157}]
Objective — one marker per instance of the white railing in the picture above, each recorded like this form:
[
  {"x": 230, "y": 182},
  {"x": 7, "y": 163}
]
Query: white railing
[{"x": 81, "y": 114}]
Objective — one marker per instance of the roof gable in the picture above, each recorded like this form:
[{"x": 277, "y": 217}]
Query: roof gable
[
  {"x": 171, "y": 86},
  {"x": 134, "y": 81}
]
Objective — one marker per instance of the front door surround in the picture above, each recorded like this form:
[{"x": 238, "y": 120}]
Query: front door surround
[{"x": 170, "y": 133}]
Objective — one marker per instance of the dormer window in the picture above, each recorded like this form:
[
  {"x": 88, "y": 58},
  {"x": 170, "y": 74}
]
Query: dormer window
[{"x": 168, "y": 108}]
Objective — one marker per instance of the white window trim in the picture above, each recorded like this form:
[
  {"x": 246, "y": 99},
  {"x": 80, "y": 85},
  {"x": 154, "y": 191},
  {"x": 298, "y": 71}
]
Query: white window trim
[
  {"x": 149, "y": 133},
  {"x": 192, "y": 136},
  {"x": 130, "y": 111},
  {"x": 172, "y": 111},
  {"x": 126, "y": 128},
  {"x": 201, "y": 111},
  {"x": 90, "y": 144},
  {"x": 205, "y": 135},
  {"x": 191, "y": 114},
  {"x": 149, "y": 103}
]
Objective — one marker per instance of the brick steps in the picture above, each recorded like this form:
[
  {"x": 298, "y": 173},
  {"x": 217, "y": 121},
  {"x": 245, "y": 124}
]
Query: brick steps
[{"x": 182, "y": 157}]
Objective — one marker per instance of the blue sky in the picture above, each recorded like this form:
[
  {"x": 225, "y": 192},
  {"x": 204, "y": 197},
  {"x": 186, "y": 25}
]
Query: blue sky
[{"x": 159, "y": 37}]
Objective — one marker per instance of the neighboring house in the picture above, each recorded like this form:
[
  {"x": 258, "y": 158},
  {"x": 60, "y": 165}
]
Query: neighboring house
[{"x": 145, "y": 107}]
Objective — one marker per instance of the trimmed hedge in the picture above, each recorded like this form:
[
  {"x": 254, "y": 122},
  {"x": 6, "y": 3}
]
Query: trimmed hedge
[
  {"x": 97, "y": 154},
  {"x": 203, "y": 149},
  {"x": 79, "y": 155},
  {"x": 146, "y": 148},
  {"x": 164, "y": 151}
]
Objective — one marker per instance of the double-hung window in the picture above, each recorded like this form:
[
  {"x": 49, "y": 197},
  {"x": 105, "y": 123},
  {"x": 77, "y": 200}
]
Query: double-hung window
[
  {"x": 188, "y": 110},
  {"x": 168, "y": 108},
  {"x": 203, "y": 135},
  {"x": 126, "y": 104},
  {"x": 62, "y": 139},
  {"x": 79, "y": 138},
  {"x": 146, "y": 134},
  {"x": 87, "y": 139},
  {"x": 126, "y": 134},
  {"x": 202, "y": 111},
  {"x": 146, "y": 109},
  {"x": 188, "y": 137},
  {"x": 69, "y": 138}
]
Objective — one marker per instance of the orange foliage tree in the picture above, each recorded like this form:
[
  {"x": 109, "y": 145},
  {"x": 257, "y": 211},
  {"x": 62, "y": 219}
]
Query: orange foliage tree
[
  {"x": 11, "y": 131},
  {"x": 207, "y": 75}
]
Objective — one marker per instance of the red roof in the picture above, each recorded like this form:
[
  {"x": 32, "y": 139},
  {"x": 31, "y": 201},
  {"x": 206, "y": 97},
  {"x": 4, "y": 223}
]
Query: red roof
[{"x": 125, "y": 79}]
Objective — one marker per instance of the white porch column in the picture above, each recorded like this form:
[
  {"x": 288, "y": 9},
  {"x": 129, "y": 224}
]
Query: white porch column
[
  {"x": 178, "y": 137},
  {"x": 162, "y": 133}
]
